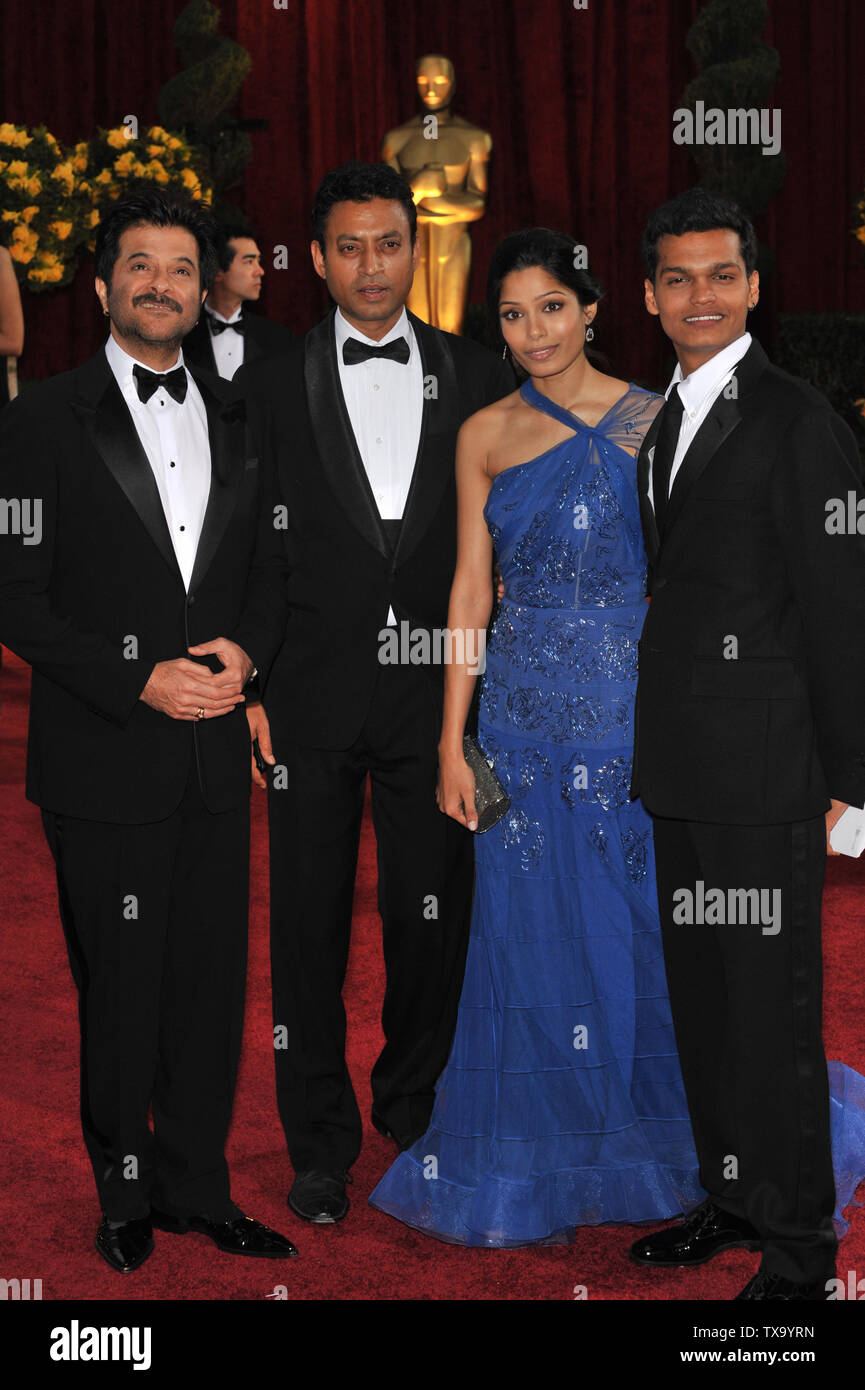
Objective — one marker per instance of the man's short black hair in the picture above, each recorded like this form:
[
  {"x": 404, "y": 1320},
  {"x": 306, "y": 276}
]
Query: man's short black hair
[
  {"x": 226, "y": 232},
  {"x": 170, "y": 207},
  {"x": 359, "y": 183},
  {"x": 698, "y": 210}
]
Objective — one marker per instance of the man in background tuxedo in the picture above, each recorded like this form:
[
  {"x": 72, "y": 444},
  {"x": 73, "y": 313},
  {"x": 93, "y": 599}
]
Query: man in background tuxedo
[
  {"x": 361, "y": 420},
  {"x": 154, "y": 585},
  {"x": 226, "y": 336},
  {"x": 749, "y": 746}
]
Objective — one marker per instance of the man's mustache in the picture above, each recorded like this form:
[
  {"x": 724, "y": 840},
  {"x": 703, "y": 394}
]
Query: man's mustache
[{"x": 158, "y": 303}]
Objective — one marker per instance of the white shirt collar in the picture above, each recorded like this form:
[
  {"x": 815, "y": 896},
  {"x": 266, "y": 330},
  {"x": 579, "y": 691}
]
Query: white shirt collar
[
  {"x": 217, "y": 315},
  {"x": 343, "y": 330},
  {"x": 697, "y": 386},
  {"x": 121, "y": 364}
]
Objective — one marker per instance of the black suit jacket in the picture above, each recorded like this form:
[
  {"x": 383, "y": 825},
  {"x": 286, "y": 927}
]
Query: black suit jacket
[
  {"x": 101, "y": 599},
  {"x": 343, "y": 576},
  {"x": 262, "y": 338},
  {"x": 768, "y": 735}
]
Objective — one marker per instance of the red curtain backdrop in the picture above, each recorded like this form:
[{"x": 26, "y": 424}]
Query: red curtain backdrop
[{"x": 579, "y": 103}]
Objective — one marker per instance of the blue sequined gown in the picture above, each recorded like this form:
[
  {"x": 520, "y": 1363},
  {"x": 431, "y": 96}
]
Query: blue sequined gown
[{"x": 562, "y": 1103}]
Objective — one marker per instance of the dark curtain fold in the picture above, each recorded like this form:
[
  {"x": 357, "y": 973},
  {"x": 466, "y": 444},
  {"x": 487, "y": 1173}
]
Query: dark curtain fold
[{"x": 579, "y": 103}]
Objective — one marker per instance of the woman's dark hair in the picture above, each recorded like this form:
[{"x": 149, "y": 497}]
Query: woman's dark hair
[
  {"x": 359, "y": 183},
  {"x": 155, "y": 208},
  {"x": 698, "y": 210},
  {"x": 557, "y": 254},
  {"x": 226, "y": 233}
]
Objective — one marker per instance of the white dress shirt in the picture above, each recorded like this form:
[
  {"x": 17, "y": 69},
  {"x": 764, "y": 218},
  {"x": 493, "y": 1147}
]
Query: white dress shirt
[
  {"x": 384, "y": 400},
  {"x": 698, "y": 392},
  {"x": 227, "y": 345},
  {"x": 177, "y": 444}
]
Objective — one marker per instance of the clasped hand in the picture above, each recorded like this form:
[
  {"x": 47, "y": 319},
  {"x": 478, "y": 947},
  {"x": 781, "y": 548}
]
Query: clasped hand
[{"x": 184, "y": 689}]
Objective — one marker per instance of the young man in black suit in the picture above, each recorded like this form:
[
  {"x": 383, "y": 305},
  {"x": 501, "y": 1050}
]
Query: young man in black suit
[
  {"x": 749, "y": 744},
  {"x": 362, "y": 420},
  {"x": 225, "y": 336},
  {"x": 153, "y": 585}
]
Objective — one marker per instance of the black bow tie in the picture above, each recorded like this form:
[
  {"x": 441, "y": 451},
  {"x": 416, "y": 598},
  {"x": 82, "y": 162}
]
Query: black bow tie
[
  {"x": 354, "y": 351},
  {"x": 217, "y": 326},
  {"x": 148, "y": 382}
]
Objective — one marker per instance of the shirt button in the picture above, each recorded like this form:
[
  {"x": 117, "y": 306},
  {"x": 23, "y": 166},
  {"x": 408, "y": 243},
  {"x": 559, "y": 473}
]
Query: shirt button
[
  {"x": 378, "y": 439},
  {"x": 172, "y": 464},
  {"x": 183, "y": 528},
  {"x": 375, "y": 386}
]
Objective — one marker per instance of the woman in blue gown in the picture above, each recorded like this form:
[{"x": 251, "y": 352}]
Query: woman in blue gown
[{"x": 562, "y": 1103}]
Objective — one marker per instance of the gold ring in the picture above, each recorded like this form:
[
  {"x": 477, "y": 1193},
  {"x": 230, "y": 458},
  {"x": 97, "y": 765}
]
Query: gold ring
[{"x": 199, "y": 713}]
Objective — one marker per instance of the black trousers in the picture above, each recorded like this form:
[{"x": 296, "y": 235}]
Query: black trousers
[
  {"x": 155, "y": 918},
  {"x": 425, "y": 873},
  {"x": 746, "y": 1001}
]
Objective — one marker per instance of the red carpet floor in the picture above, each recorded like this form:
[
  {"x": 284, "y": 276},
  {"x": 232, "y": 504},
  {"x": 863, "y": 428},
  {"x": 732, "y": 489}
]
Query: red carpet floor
[{"x": 49, "y": 1211}]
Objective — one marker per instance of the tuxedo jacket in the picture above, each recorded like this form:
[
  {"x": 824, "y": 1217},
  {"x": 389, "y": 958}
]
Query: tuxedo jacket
[
  {"x": 751, "y": 691},
  {"x": 101, "y": 599},
  {"x": 343, "y": 575},
  {"x": 262, "y": 338}
]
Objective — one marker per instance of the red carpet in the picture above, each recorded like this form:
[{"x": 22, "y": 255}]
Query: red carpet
[{"x": 49, "y": 1211}]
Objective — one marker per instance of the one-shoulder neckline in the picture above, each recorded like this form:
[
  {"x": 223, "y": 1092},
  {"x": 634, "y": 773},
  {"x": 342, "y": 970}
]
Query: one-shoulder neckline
[{"x": 580, "y": 427}]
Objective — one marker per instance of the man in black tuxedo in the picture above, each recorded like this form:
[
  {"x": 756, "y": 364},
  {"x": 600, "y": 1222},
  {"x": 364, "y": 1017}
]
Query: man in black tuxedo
[
  {"x": 750, "y": 744},
  {"x": 362, "y": 420},
  {"x": 226, "y": 336},
  {"x": 155, "y": 540}
]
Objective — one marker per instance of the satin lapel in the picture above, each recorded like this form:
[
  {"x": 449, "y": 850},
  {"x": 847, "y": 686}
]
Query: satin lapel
[
  {"x": 105, "y": 416},
  {"x": 718, "y": 425},
  {"x": 434, "y": 461},
  {"x": 644, "y": 467},
  {"x": 227, "y": 434},
  {"x": 334, "y": 437},
  {"x": 198, "y": 346},
  {"x": 252, "y": 348}
]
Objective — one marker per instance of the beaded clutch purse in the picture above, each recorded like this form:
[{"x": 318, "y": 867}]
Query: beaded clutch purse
[{"x": 491, "y": 799}]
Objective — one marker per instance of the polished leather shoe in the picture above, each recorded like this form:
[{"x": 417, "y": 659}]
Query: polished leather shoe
[
  {"x": 319, "y": 1196},
  {"x": 772, "y": 1286},
  {"x": 706, "y": 1232},
  {"x": 125, "y": 1244},
  {"x": 238, "y": 1235}
]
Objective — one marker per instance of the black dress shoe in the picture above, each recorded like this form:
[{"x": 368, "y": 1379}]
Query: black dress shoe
[
  {"x": 706, "y": 1232},
  {"x": 125, "y": 1244},
  {"x": 319, "y": 1196},
  {"x": 238, "y": 1235},
  {"x": 773, "y": 1286}
]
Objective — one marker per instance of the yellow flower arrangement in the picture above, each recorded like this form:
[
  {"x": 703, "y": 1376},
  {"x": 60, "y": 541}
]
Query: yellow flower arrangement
[
  {"x": 15, "y": 135},
  {"x": 123, "y": 163},
  {"x": 156, "y": 156},
  {"x": 53, "y": 197},
  {"x": 45, "y": 217}
]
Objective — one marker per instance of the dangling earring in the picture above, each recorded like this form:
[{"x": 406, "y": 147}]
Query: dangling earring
[
  {"x": 590, "y": 333},
  {"x": 505, "y": 353}
]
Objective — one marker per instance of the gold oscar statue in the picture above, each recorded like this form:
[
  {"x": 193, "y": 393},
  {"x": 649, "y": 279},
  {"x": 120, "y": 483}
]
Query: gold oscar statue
[{"x": 445, "y": 159}]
